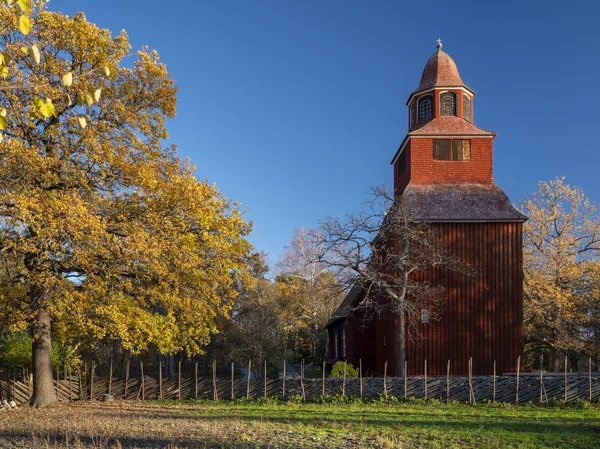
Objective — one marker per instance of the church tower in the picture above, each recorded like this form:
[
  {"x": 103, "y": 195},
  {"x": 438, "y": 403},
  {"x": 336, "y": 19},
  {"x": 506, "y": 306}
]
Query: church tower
[{"x": 443, "y": 176}]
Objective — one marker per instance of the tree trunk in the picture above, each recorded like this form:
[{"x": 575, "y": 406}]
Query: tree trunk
[
  {"x": 43, "y": 385},
  {"x": 401, "y": 344},
  {"x": 556, "y": 359}
]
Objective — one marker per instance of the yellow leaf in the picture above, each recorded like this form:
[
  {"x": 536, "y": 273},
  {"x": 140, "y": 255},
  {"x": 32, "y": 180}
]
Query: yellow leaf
[
  {"x": 3, "y": 123},
  {"x": 35, "y": 54},
  {"x": 24, "y": 25},
  {"x": 24, "y": 5},
  {"x": 67, "y": 79},
  {"x": 3, "y": 112},
  {"x": 82, "y": 122},
  {"x": 107, "y": 71},
  {"x": 89, "y": 100}
]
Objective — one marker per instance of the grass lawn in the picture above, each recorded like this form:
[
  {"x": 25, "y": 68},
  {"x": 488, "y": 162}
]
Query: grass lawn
[{"x": 206, "y": 424}]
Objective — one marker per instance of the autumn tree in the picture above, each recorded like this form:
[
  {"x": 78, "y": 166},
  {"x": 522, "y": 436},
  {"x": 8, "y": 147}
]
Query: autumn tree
[
  {"x": 104, "y": 232},
  {"x": 311, "y": 291},
  {"x": 388, "y": 256},
  {"x": 562, "y": 272}
]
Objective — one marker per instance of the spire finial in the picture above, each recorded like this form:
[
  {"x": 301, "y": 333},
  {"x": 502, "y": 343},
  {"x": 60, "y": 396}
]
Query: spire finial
[{"x": 439, "y": 44}]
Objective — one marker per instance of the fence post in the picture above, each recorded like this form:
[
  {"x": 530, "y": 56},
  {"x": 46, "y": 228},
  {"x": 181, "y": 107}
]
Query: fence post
[
  {"x": 70, "y": 385},
  {"x": 344, "y": 382},
  {"x": 143, "y": 381},
  {"x": 160, "y": 390},
  {"x": 14, "y": 385},
  {"x": 127, "y": 378},
  {"x": 565, "y": 378},
  {"x": 214, "y": 372},
  {"x": 518, "y": 372},
  {"x": 425, "y": 372},
  {"x": 93, "y": 370},
  {"x": 196, "y": 379},
  {"x": 590, "y": 378},
  {"x": 80, "y": 385},
  {"x": 179, "y": 380},
  {"x": 385, "y": 379},
  {"x": 541, "y": 379},
  {"x": 248, "y": 381},
  {"x": 302, "y": 381},
  {"x": 57, "y": 379},
  {"x": 405, "y": 378},
  {"x": 232, "y": 374},
  {"x": 360, "y": 376},
  {"x": 494, "y": 383},
  {"x": 448, "y": 382},
  {"x": 323, "y": 389},
  {"x": 110, "y": 377},
  {"x": 284, "y": 374},
  {"x": 265, "y": 380},
  {"x": 471, "y": 396}
]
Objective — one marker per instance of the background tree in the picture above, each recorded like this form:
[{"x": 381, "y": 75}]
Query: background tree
[
  {"x": 562, "y": 268},
  {"x": 389, "y": 256},
  {"x": 105, "y": 232}
]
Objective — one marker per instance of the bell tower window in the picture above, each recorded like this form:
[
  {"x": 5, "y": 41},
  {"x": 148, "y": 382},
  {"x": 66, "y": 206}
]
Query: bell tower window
[
  {"x": 467, "y": 107},
  {"x": 425, "y": 108},
  {"x": 448, "y": 103}
]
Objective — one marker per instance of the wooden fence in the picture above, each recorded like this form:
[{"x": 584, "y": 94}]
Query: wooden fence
[{"x": 534, "y": 388}]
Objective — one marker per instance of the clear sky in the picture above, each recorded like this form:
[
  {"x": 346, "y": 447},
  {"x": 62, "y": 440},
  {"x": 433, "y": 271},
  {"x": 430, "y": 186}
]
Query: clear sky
[{"x": 295, "y": 107}]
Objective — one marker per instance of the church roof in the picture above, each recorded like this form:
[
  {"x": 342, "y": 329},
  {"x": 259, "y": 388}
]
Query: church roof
[
  {"x": 458, "y": 203},
  {"x": 440, "y": 71},
  {"x": 450, "y": 125}
]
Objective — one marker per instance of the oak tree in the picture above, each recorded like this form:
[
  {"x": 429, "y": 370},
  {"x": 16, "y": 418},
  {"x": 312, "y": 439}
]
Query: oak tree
[{"x": 104, "y": 231}]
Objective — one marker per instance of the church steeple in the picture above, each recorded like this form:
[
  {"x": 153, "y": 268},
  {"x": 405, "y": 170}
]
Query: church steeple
[{"x": 441, "y": 92}]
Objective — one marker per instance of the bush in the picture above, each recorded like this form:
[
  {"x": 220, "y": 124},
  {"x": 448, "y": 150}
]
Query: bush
[{"x": 337, "y": 370}]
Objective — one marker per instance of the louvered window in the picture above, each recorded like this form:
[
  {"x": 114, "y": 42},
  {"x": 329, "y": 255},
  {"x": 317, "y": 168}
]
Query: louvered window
[
  {"x": 441, "y": 150},
  {"x": 451, "y": 150},
  {"x": 425, "y": 108},
  {"x": 448, "y": 104},
  {"x": 466, "y": 107}
]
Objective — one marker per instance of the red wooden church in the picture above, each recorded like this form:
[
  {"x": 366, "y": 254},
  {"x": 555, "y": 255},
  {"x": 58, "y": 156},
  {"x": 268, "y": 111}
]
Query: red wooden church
[{"x": 443, "y": 176}]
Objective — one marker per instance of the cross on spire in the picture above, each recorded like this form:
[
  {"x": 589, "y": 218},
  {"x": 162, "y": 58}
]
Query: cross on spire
[{"x": 439, "y": 44}]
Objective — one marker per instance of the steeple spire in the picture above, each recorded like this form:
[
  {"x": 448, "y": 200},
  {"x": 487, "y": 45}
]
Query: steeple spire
[{"x": 439, "y": 44}]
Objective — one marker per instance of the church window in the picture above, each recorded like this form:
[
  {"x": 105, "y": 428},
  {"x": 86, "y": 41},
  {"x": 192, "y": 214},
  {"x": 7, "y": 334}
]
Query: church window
[
  {"x": 461, "y": 150},
  {"x": 425, "y": 108},
  {"x": 451, "y": 150},
  {"x": 441, "y": 150},
  {"x": 335, "y": 345},
  {"x": 466, "y": 107},
  {"x": 448, "y": 103},
  {"x": 344, "y": 343}
]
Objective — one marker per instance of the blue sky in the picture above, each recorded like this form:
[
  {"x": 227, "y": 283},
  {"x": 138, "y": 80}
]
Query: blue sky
[{"x": 294, "y": 108}]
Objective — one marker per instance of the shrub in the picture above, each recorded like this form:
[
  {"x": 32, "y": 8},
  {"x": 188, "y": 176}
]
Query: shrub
[{"x": 337, "y": 370}]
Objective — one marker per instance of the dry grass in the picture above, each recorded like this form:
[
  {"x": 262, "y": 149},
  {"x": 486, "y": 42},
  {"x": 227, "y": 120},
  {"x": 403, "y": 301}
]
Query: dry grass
[{"x": 206, "y": 424}]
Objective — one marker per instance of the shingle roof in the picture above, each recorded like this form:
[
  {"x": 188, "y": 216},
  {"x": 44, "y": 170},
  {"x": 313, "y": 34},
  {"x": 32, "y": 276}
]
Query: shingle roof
[
  {"x": 450, "y": 125},
  {"x": 346, "y": 305},
  {"x": 458, "y": 202},
  {"x": 440, "y": 71}
]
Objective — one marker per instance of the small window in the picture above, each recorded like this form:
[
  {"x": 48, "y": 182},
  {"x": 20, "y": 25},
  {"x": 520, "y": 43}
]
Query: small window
[
  {"x": 335, "y": 345},
  {"x": 425, "y": 108},
  {"x": 461, "y": 150},
  {"x": 441, "y": 150},
  {"x": 425, "y": 316},
  {"x": 401, "y": 163},
  {"x": 344, "y": 343},
  {"x": 412, "y": 115},
  {"x": 448, "y": 104},
  {"x": 466, "y": 107}
]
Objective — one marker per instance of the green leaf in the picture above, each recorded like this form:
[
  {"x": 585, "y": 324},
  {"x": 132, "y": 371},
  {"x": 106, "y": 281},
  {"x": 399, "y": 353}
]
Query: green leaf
[
  {"x": 97, "y": 94},
  {"x": 3, "y": 123},
  {"x": 67, "y": 79},
  {"x": 80, "y": 100},
  {"x": 25, "y": 50},
  {"x": 35, "y": 54},
  {"x": 24, "y": 5},
  {"x": 107, "y": 71},
  {"x": 4, "y": 58},
  {"x": 82, "y": 122},
  {"x": 46, "y": 108},
  {"x": 38, "y": 102},
  {"x": 24, "y": 25}
]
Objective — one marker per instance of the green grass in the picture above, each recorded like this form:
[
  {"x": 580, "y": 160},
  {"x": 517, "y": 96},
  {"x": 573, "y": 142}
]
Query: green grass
[
  {"x": 418, "y": 424},
  {"x": 334, "y": 423}
]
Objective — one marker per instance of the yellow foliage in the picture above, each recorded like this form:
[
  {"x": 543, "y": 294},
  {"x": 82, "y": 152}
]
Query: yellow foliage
[{"x": 100, "y": 224}]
